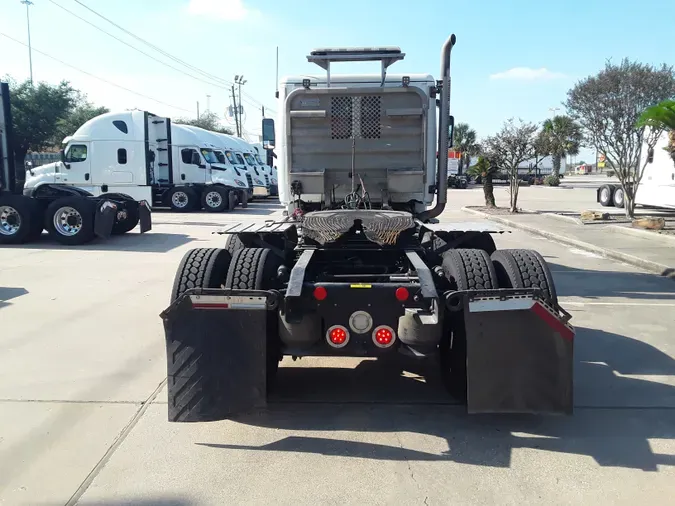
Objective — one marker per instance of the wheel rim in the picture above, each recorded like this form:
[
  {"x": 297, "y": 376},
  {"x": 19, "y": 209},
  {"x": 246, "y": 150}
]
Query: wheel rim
[
  {"x": 10, "y": 220},
  {"x": 68, "y": 221},
  {"x": 180, "y": 199},
  {"x": 213, "y": 199},
  {"x": 618, "y": 196},
  {"x": 604, "y": 195}
]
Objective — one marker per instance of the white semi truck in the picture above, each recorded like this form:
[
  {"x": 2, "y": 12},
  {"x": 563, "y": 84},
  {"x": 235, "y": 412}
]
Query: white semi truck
[
  {"x": 262, "y": 158},
  {"x": 147, "y": 157},
  {"x": 261, "y": 186},
  {"x": 76, "y": 200},
  {"x": 657, "y": 188},
  {"x": 361, "y": 266}
]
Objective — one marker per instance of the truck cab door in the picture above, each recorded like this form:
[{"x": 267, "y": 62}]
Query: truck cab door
[
  {"x": 193, "y": 168},
  {"x": 76, "y": 168}
]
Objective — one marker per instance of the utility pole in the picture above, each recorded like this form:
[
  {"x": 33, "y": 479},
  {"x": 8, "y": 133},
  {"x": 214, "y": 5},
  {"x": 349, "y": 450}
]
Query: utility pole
[
  {"x": 28, "y": 3},
  {"x": 197, "y": 109},
  {"x": 235, "y": 108},
  {"x": 208, "y": 103},
  {"x": 240, "y": 81}
]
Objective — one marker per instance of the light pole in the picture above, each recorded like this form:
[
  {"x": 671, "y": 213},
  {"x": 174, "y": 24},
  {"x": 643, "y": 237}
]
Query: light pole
[
  {"x": 28, "y": 3},
  {"x": 240, "y": 81},
  {"x": 554, "y": 109}
]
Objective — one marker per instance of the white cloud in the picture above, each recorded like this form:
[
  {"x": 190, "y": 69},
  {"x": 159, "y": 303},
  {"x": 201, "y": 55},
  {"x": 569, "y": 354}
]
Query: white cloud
[
  {"x": 528, "y": 74},
  {"x": 229, "y": 10}
]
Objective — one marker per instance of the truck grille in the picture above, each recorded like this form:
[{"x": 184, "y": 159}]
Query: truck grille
[
  {"x": 249, "y": 179},
  {"x": 267, "y": 180}
]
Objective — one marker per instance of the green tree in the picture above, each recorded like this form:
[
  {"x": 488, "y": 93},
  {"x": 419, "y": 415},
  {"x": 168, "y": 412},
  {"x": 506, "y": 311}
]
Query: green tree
[
  {"x": 608, "y": 106},
  {"x": 661, "y": 117},
  {"x": 207, "y": 121},
  {"x": 564, "y": 138},
  {"x": 465, "y": 141},
  {"x": 486, "y": 172},
  {"x": 36, "y": 113},
  {"x": 83, "y": 112}
]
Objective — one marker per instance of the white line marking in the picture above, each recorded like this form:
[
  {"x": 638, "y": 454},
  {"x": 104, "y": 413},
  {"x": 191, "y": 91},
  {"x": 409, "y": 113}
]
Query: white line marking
[{"x": 646, "y": 304}]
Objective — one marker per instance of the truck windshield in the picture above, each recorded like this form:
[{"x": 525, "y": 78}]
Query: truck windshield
[
  {"x": 209, "y": 156},
  {"x": 240, "y": 159},
  {"x": 220, "y": 156},
  {"x": 249, "y": 159},
  {"x": 231, "y": 158},
  {"x": 258, "y": 159}
]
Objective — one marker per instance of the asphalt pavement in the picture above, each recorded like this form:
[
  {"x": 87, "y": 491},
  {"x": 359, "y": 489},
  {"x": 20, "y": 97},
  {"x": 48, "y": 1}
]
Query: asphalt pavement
[{"x": 83, "y": 415}]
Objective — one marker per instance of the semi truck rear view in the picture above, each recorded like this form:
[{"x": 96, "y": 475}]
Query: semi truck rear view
[{"x": 361, "y": 266}]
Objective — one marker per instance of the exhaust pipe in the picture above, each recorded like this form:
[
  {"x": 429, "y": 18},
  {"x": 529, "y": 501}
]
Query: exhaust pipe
[{"x": 443, "y": 142}]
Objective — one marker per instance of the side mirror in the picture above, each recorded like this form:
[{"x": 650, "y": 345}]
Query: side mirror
[
  {"x": 451, "y": 130},
  {"x": 268, "y": 133},
  {"x": 62, "y": 154},
  {"x": 195, "y": 160}
]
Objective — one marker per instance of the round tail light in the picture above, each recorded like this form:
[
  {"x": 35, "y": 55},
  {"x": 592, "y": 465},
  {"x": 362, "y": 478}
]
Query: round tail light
[
  {"x": 402, "y": 294},
  {"x": 320, "y": 293},
  {"x": 337, "y": 336},
  {"x": 384, "y": 336}
]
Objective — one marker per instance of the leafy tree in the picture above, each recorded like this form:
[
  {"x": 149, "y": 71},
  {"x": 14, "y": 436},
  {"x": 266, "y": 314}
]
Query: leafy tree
[
  {"x": 464, "y": 141},
  {"x": 563, "y": 137},
  {"x": 608, "y": 106},
  {"x": 83, "y": 112},
  {"x": 36, "y": 113},
  {"x": 207, "y": 121},
  {"x": 486, "y": 171},
  {"x": 513, "y": 145},
  {"x": 661, "y": 117}
]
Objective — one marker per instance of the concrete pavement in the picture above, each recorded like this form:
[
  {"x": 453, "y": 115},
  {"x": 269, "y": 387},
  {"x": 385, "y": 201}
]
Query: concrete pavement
[{"x": 83, "y": 416}]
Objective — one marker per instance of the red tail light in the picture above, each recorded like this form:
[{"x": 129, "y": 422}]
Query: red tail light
[
  {"x": 402, "y": 294},
  {"x": 320, "y": 293},
  {"x": 384, "y": 336},
  {"x": 337, "y": 336}
]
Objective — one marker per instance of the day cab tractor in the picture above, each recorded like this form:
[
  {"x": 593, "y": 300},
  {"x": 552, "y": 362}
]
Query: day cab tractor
[{"x": 360, "y": 266}]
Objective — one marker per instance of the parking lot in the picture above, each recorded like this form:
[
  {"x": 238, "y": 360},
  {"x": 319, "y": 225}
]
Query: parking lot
[{"x": 83, "y": 407}]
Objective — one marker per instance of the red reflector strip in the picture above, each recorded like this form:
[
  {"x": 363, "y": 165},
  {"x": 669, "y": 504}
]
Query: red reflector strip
[
  {"x": 553, "y": 322},
  {"x": 210, "y": 306}
]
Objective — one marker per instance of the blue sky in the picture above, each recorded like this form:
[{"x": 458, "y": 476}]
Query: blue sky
[{"x": 514, "y": 58}]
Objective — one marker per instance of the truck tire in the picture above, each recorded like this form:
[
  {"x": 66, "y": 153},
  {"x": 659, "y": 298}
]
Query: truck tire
[
  {"x": 243, "y": 199},
  {"x": 618, "y": 198},
  {"x": 469, "y": 269},
  {"x": 606, "y": 195},
  {"x": 182, "y": 199},
  {"x": 129, "y": 223},
  {"x": 201, "y": 268},
  {"x": 233, "y": 244},
  {"x": 215, "y": 199},
  {"x": 70, "y": 220},
  {"x": 21, "y": 219},
  {"x": 522, "y": 268},
  {"x": 256, "y": 269},
  {"x": 465, "y": 269}
]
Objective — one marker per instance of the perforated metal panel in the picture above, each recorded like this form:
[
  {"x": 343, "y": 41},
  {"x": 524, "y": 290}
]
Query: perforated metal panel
[{"x": 357, "y": 116}]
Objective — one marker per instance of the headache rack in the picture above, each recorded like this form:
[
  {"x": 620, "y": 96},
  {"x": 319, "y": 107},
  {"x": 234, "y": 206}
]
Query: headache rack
[{"x": 386, "y": 55}]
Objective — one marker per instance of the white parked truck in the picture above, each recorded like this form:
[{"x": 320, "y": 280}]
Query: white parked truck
[
  {"x": 657, "y": 188},
  {"x": 361, "y": 266},
  {"x": 74, "y": 200},
  {"x": 261, "y": 183},
  {"x": 263, "y": 159}
]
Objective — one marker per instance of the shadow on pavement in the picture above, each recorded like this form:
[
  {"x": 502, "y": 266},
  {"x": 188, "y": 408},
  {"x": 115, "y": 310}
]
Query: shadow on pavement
[
  {"x": 8, "y": 293},
  {"x": 614, "y": 421},
  {"x": 595, "y": 284},
  {"x": 152, "y": 242}
]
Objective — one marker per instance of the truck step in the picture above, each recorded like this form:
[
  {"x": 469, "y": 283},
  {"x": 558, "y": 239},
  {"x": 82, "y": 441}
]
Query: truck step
[
  {"x": 162, "y": 149},
  {"x": 161, "y": 140},
  {"x": 157, "y": 121},
  {"x": 163, "y": 164}
]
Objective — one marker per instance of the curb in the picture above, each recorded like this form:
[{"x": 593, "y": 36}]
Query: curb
[
  {"x": 641, "y": 233},
  {"x": 648, "y": 265}
]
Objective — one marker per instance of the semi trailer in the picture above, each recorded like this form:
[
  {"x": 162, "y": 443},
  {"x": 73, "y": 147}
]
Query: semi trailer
[
  {"x": 657, "y": 187},
  {"x": 54, "y": 199},
  {"x": 361, "y": 265}
]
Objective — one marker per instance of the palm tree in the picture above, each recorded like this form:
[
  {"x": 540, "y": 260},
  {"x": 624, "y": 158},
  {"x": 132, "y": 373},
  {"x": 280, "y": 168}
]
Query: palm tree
[
  {"x": 564, "y": 137},
  {"x": 486, "y": 171},
  {"x": 465, "y": 141},
  {"x": 661, "y": 117}
]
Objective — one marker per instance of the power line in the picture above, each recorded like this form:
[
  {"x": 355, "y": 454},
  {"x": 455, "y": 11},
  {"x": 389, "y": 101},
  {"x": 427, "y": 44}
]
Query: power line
[
  {"x": 95, "y": 76},
  {"x": 168, "y": 55},
  {"x": 134, "y": 47}
]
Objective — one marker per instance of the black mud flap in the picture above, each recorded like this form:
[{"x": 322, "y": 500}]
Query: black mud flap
[
  {"x": 104, "y": 220},
  {"x": 145, "y": 216},
  {"x": 216, "y": 353},
  {"x": 519, "y": 354}
]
